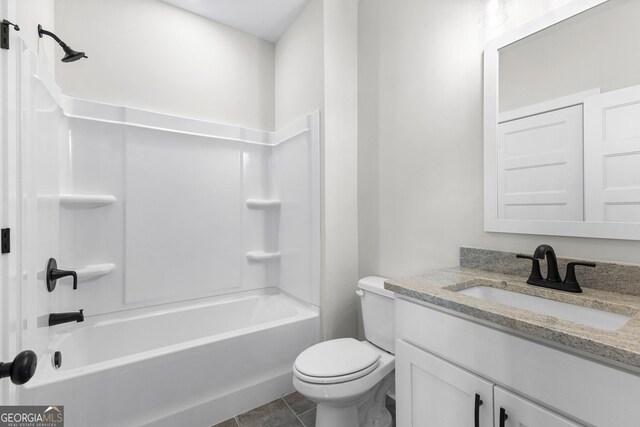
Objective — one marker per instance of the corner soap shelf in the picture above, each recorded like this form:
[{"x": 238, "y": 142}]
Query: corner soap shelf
[
  {"x": 262, "y": 255},
  {"x": 263, "y": 203},
  {"x": 94, "y": 270},
  {"x": 86, "y": 201}
]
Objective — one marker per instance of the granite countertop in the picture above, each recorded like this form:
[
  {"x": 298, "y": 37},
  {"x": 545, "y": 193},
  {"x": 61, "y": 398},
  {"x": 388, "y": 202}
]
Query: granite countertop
[{"x": 621, "y": 346}]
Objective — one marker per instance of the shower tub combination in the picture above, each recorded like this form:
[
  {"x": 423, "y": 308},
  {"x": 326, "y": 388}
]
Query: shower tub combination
[
  {"x": 190, "y": 363},
  {"x": 187, "y": 333}
]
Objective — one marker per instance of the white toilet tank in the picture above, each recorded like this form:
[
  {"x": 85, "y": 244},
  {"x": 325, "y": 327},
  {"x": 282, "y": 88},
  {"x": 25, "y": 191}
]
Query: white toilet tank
[{"x": 377, "y": 312}]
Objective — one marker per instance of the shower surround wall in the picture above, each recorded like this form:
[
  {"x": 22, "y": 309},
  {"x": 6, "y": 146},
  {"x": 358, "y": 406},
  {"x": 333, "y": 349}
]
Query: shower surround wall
[
  {"x": 161, "y": 209},
  {"x": 162, "y": 215}
]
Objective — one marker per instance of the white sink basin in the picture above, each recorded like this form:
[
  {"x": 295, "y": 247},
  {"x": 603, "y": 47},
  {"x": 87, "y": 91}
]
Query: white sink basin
[{"x": 573, "y": 313}]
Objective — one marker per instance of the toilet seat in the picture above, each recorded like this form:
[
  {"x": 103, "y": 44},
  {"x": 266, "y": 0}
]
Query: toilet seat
[{"x": 336, "y": 361}]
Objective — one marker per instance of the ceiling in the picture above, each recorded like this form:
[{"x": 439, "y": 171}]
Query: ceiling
[{"x": 267, "y": 19}]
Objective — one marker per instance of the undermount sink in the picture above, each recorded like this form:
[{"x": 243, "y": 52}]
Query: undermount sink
[{"x": 565, "y": 311}]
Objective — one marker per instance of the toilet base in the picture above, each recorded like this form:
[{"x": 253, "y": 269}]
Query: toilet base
[
  {"x": 329, "y": 416},
  {"x": 368, "y": 411}
]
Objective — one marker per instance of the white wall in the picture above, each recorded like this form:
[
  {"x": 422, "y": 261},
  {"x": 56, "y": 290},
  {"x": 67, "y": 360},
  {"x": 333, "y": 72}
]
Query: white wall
[
  {"x": 28, "y": 14},
  {"x": 150, "y": 55},
  {"x": 339, "y": 305},
  {"x": 597, "y": 49},
  {"x": 299, "y": 66},
  {"x": 316, "y": 69},
  {"x": 420, "y": 144},
  {"x": 368, "y": 141}
]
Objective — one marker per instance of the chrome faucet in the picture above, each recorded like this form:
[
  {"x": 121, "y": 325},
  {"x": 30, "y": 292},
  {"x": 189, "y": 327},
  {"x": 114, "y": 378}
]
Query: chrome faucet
[{"x": 552, "y": 281}]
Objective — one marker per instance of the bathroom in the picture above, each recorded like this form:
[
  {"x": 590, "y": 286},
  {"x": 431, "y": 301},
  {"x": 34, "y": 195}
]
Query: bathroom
[{"x": 237, "y": 183}]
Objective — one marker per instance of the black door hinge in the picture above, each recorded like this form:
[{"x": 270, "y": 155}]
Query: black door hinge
[
  {"x": 4, "y": 36},
  {"x": 6, "y": 240},
  {"x": 4, "y": 33}
]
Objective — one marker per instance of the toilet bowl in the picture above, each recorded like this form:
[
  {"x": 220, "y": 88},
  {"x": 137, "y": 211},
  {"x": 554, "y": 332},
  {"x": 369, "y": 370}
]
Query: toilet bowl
[{"x": 349, "y": 379}]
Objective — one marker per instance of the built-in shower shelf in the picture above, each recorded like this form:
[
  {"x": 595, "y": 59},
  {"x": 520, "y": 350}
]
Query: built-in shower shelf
[
  {"x": 263, "y": 203},
  {"x": 262, "y": 256},
  {"x": 94, "y": 270},
  {"x": 86, "y": 201}
]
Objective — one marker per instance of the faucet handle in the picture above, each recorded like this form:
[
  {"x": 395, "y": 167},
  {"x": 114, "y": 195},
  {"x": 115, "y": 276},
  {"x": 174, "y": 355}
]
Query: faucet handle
[
  {"x": 535, "y": 267},
  {"x": 53, "y": 274},
  {"x": 570, "y": 277}
]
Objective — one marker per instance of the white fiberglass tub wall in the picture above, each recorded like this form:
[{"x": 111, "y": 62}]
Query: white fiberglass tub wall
[
  {"x": 185, "y": 218},
  {"x": 177, "y": 227},
  {"x": 195, "y": 363}
]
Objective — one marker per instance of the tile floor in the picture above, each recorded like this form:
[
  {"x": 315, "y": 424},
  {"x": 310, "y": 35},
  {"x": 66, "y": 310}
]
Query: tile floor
[{"x": 293, "y": 410}]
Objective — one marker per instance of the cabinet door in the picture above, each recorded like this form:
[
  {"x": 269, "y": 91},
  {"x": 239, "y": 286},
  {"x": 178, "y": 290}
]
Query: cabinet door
[
  {"x": 523, "y": 413},
  {"x": 434, "y": 393}
]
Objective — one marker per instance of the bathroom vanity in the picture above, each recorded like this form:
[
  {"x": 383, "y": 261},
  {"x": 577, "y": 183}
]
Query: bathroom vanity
[{"x": 462, "y": 358}]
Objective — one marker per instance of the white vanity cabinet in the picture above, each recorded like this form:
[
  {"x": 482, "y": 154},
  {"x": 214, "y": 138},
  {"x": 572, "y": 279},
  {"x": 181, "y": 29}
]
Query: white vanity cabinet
[
  {"x": 444, "y": 359},
  {"x": 432, "y": 392}
]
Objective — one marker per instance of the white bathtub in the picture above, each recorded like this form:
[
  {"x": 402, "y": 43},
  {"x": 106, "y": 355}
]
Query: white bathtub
[{"x": 187, "y": 364}]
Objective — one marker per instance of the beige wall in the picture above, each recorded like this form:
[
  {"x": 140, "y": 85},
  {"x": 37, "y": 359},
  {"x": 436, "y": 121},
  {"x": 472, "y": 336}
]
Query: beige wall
[
  {"x": 150, "y": 55},
  {"x": 420, "y": 139}
]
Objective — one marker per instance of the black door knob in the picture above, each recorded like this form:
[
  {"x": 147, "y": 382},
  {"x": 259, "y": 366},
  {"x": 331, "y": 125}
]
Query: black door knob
[{"x": 21, "y": 369}]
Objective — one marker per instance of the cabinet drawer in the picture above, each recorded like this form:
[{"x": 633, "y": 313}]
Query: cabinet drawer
[
  {"x": 521, "y": 412},
  {"x": 569, "y": 384}
]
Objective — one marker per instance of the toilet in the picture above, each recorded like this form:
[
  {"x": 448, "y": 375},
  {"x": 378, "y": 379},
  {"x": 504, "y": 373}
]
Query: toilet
[{"x": 349, "y": 379}]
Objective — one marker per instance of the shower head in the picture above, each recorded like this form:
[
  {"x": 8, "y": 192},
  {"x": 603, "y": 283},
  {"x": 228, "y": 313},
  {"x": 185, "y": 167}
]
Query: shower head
[{"x": 70, "y": 54}]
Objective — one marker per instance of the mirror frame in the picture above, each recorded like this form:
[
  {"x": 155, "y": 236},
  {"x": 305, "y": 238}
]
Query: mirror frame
[{"x": 602, "y": 230}]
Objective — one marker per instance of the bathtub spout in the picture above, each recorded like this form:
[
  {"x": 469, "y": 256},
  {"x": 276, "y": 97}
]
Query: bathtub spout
[{"x": 58, "y": 318}]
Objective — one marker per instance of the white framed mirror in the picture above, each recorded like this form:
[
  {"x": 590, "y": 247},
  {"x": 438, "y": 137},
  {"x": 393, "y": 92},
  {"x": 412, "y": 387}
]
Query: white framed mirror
[{"x": 562, "y": 124}]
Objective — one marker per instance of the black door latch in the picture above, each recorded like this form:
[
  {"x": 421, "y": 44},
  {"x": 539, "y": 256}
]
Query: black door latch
[
  {"x": 6, "y": 240},
  {"x": 4, "y": 33}
]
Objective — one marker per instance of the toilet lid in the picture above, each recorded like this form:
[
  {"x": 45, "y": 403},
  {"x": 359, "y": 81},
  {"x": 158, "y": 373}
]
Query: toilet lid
[{"x": 337, "y": 358}]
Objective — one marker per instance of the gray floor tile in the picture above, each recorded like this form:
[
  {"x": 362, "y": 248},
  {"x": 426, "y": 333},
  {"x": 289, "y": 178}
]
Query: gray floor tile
[
  {"x": 273, "y": 414},
  {"x": 298, "y": 403},
  {"x": 229, "y": 423},
  {"x": 308, "y": 418}
]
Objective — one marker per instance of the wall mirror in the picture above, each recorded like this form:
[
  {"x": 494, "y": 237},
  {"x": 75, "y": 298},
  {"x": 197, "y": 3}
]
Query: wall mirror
[{"x": 562, "y": 124}]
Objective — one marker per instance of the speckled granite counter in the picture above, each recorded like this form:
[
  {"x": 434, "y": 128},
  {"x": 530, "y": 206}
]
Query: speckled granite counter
[{"x": 621, "y": 346}]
